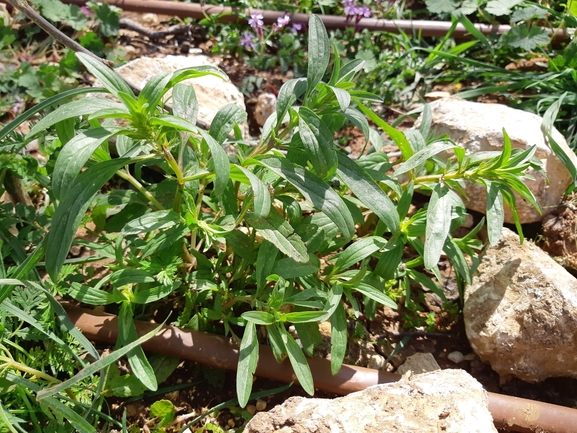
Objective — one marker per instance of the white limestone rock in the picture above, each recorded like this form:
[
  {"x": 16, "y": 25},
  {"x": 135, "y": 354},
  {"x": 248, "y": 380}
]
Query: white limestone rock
[
  {"x": 520, "y": 312},
  {"x": 449, "y": 401},
  {"x": 265, "y": 106},
  {"x": 479, "y": 127}
]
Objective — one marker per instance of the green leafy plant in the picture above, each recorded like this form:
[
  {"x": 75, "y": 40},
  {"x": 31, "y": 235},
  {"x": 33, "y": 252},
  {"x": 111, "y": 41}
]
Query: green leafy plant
[{"x": 285, "y": 231}]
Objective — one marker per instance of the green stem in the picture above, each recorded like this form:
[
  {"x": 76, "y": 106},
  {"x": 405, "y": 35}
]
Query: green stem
[
  {"x": 138, "y": 186},
  {"x": 28, "y": 370}
]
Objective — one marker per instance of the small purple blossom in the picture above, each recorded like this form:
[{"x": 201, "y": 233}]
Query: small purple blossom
[
  {"x": 85, "y": 10},
  {"x": 363, "y": 11},
  {"x": 256, "y": 21},
  {"x": 247, "y": 41},
  {"x": 350, "y": 9},
  {"x": 282, "y": 21},
  {"x": 18, "y": 106},
  {"x": 296, "y": 27}
]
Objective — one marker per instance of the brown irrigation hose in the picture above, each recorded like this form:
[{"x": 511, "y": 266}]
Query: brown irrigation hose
[
  {"x": 228, "y": 14},
  {"x": 514, "y": 414}
]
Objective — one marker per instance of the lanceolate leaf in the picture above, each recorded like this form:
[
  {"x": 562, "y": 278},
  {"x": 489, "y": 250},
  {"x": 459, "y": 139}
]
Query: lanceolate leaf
[
  {"x": 438, "y": 224},
  {"x": 315, "y": 191},
  {"x": 368, "y": 192},
  {"x": 423, "y": 155},
  {"x": 359, "y": 251},
  {"x": 267, "y": 254},
  {"x": 279, "y": 232},
  {"x": 261, "y": 194},
  {"x": 220, "y": 161},
  {"x": 153, "y": 90},
  {"x": 73, "y": 157},
  {"x": 298, "y": 362},
  {"x": 338, "y": 338},
  {"x": 151, "y": 221},
  {"x": 288, "y": 94},
  {"x": 495, "y": 212},
  {"x": 247, "y": 362},
  {"x": 375, "y": 294},
  {"x": 184, "y": 103},
  {"x": 109, "y": 79},
  {"x": 225, "y": 120},
  {"x": 319, "y": 52},
  {"x": 318, "y": 141},
  {"x": 139, "y": 364},
  {"x": 71, "y": 210},
  {"x": 74, "y": 109}
]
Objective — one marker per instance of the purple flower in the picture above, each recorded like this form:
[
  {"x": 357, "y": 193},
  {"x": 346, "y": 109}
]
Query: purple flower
[
  {"x": 247, "y": 41},
  {"x": 282, "y": 21},
  {"x": 18, "y": 106},
  {"x": 296, "y": 27},
  {"x": 363, "y": 11},
  {"x": 350, "y": 9},
  {"x": 256, "y": 21},
  {"x": 85, "y": 10}
]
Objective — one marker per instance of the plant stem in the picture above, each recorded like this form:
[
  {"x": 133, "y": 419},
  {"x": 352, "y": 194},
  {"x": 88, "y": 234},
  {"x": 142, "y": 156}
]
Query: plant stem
[{"x": 138, "y": 186}]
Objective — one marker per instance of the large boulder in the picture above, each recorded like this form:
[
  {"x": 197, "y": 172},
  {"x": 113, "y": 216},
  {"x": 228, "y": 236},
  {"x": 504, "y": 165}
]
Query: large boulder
[
  {"x": 449, "y": 401},
  {"x": 521, "y": 312},
  {"x": 479, "y": 127}
]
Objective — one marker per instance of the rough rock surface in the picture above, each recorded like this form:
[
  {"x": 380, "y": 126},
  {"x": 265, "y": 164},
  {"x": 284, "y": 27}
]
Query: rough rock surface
[
  {"x": 449, "y": 401},
  {"x": 521, "y": 312},
  {"x": 212, "y": 93},
  {"x": 265, "y": 106},
  {"x": 478, "y": 127},
  {"x": 420, "y": 362}
]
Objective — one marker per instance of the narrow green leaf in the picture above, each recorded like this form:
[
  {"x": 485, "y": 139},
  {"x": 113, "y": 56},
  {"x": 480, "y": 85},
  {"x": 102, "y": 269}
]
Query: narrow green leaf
[
  {"x": 71, "y": 210},
  {"x": 359, "y": 120},
  {"x": 261, "y": 194},
  {"x": 305, "y": 316},
  {"x": 368, "y": 192},
  {"x": 220, "y": 161},
  {"x": 161, "y": 219},
  {"x": 74, "y": 155},
  {"x": 317, "y": 192},
  {"x": 318, "y": 142},
  {"x": 165, "y": 239},
  {"x": 174, "y": 122},
  {"x": 343, "y": 97},
  {"x": 397, "y": 136},
  {"x": 76, "y": 420},
  {"x": 338, "y": 338},
  {"x": 73, "y": 110},
  {"x": 184, "y": 102},
  {"x": 438, "y": 224},
  {"x": 495, "y": 212},
  {"x": 298, "y": 362},
  {"x": 289, "y": 268},
  {"x": 287, "y": 96},
  {"x": 195, "y": 72},
  {"x": 375, "y": 294},
  {"x": 247, "y": 362},
  {"x": 154, "y": 294},
  {"x": 113, "y": 82},
  {"x": 279, "y": 232},
  {"x": 258, "y": 317},
  {"x": 359, "y": 251},
  {"x": 421, "y": 157},
  {"x": 96, "y": 366},
  {"x": 152, "y": 91},
  {"x": 319, "y": 52},
  {"x": 92, "y": 296},
  {"x": 139, "y": 364},
  {"x": 266, "y": 258},
  {"x": 225, "y": 120},
  {"x": 276, "y": 342}
]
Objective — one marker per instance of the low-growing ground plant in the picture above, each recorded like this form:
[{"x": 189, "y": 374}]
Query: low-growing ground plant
[{"x": 233, "y": 236}]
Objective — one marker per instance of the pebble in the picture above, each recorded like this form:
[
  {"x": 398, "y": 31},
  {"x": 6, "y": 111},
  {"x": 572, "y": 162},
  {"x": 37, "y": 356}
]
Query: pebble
[
  {"x": 376, "y": 362},
  {"x": 260, "y": 405},
  {"x": 456, "y": 357},
  {"x": 251, "y": 408}
]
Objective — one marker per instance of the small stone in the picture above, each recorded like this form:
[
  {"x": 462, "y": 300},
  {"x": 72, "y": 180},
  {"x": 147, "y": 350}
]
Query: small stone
[
  {"x": 231, "y": 422},
  {"x": 265, "y": 106},
  {"x": 376, "y": 362},
  {"x": 260, "y": 405},
  {"x": 456, "y": 357},
  {"x": 251, "y": 408},
  {"x": 419, "y": 363}
]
